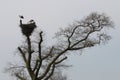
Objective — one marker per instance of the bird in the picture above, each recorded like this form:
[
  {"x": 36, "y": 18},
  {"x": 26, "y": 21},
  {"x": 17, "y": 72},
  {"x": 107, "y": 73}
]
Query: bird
[
  {"x": 21, "y": 16},
  {"x": 31, "y": 20}
]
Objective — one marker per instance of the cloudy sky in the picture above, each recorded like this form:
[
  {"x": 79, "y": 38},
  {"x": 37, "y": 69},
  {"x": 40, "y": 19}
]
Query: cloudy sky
[{"x": 98, "y": 63}]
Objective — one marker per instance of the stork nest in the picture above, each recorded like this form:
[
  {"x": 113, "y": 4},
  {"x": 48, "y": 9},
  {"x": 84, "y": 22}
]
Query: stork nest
[{"x": 27, "y": 29}]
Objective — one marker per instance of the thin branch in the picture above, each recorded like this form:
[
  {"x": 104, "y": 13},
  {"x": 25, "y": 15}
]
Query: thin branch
[
  {"x": 77, "y": 48},
  {"x": 51, "y": 73},
  {"x": 20, "y": 77},
  {"x": 39, "y": 63},
  {"x": 61, "y": 60},
  {"x": 15, "y": 67},
  {"x": 37, "y": 69},
  {"x": 36, "y": 65},
  {"x": 39, "y": 44},
  {"x": 48, "y": 53},
  {"x": 23, "y": 55}
]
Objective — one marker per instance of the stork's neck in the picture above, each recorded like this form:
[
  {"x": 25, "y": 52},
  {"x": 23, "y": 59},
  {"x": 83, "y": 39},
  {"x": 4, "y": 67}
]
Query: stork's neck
[{"x": 20, "y": 22}]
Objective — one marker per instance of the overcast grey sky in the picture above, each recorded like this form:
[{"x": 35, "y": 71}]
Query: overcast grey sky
[{"x": 99, "y": 63}]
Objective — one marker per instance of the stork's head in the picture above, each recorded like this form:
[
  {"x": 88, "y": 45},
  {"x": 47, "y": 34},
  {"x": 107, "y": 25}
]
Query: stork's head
[{"x": 21, "y": 16}]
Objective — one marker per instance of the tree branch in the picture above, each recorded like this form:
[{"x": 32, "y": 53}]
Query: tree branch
[
  {"x": 20, "y": 77},
  {"x": 39, "y": 44},
  {"x": 39, "y": 62},
  {"x": 48, "y": 53},
  {"x": 23, "y": 55},
  {"x": 61, "y": 60},
  {"x": 51, "y": 73},
  {"x": 36, "y": 65}
]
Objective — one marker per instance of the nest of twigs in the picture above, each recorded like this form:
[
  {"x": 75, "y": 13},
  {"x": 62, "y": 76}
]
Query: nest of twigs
[{"x": 27, "y": 29}]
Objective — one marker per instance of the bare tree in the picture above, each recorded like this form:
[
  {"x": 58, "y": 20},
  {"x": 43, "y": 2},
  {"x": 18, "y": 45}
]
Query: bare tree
[{"x": 40, "y": 62}]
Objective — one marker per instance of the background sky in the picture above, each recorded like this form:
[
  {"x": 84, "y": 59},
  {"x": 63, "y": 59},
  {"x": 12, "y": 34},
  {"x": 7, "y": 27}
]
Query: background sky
[{"x": 98, "y": 63}]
